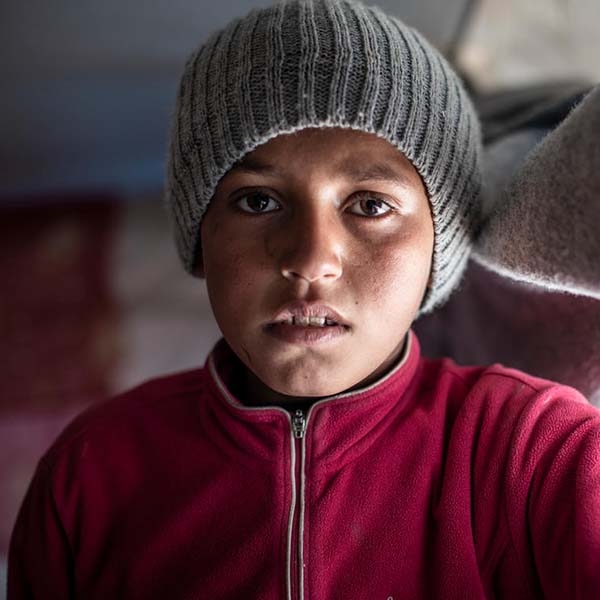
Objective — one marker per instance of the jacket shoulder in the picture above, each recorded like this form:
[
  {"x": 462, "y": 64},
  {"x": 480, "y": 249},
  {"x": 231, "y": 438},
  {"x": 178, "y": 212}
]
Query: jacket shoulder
[
  {"x": 161, "y": 400},
  {"x": 502, "y": 392}
]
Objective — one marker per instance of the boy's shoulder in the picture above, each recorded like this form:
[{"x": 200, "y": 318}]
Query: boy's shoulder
[
  {"x": 481, "y": 396},
  {"x": 506, "y": 382},
  {"x": 162, "y": 402}
]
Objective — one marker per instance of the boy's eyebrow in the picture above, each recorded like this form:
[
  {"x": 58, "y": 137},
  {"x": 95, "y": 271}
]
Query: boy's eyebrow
[
  {"x": 249, "y": 163},
  {"x": 374, "y": 172},
  {"x": 351, "y": 169}
]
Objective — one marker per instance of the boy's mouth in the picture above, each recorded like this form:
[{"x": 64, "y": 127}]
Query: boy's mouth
[
  {"x": 307, "y": 324},
  {"x": 310, "y": 321},
  {"x": 306, "y": 335},
  {"x": 308, "y": 314}
]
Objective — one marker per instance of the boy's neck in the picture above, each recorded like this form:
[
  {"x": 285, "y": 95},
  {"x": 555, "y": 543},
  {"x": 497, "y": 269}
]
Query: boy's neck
[{"x": 253, "y": 392}]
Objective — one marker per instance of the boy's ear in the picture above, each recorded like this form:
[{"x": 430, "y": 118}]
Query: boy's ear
[{"x": 198, "y": 270}]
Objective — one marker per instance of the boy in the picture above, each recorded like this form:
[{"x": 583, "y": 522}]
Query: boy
[{"x": 323, "y": 178}]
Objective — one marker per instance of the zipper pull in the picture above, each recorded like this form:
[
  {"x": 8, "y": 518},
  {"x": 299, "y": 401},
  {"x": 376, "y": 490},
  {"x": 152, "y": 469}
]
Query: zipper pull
[{"x": 298, "y": 424}]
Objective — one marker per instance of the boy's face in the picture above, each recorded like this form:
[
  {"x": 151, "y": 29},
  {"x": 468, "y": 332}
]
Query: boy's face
[{"x": 327, "y": 223}]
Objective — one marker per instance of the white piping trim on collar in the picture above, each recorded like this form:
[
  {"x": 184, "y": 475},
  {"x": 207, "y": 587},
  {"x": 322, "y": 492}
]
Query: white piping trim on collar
[
  {"x": 233, "y": 402},
  {"x": 403, "y": 360}
]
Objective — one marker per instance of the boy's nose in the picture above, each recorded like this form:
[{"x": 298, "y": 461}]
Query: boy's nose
[{"x": 311, "y": 250}]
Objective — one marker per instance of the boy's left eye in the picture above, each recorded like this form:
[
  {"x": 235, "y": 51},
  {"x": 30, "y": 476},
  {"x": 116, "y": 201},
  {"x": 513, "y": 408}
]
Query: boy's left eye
[
  {"x": 257, "y": 203},
  {"x": 370, "y": 206}
]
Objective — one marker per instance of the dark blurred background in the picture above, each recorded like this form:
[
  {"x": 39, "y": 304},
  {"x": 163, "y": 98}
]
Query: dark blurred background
[{"x": 93, "y": 299}]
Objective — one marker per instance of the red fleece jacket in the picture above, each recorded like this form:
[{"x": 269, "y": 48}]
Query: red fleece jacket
[{"x": 438, "y": 481}]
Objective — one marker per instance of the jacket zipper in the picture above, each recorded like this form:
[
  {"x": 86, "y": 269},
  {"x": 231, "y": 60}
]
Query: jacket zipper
[
  {"x": 299, "y": 424},
  {"x": 295, "y": 574}
]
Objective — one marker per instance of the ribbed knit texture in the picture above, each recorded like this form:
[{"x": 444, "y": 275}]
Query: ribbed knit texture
[{"x": 323, "y": 63}]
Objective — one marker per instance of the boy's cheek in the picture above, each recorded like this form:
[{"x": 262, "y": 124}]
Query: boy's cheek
[{"x": 213, "y": 249}]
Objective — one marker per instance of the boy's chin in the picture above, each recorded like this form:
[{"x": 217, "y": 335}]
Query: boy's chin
[
  {"x": 280, "y": 391},
  {"x": 295, "y": 380}
]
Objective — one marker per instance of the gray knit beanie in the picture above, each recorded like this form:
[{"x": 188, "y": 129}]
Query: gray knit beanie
[{"x": 326, "y": 63}]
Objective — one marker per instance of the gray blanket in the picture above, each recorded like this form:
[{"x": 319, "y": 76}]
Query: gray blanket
[{"x": 531, "y": 295}]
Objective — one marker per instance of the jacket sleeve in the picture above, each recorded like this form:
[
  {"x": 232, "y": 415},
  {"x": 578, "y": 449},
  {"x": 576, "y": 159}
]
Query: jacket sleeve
[
  {"x": 40, "y": 560},
  {"x": 556, "y": 474}
]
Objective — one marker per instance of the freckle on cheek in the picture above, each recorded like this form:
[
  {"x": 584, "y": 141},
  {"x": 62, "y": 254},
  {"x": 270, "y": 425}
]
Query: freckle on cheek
[
  {"x": 214, "y": 226},
  {"x": 268, "y": 249}
]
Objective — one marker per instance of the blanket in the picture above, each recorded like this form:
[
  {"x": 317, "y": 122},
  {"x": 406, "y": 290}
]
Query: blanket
[{"x": 530, "y": 298}]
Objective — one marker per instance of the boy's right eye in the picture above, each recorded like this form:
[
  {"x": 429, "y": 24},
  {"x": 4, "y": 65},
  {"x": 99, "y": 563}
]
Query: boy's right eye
[{"x": 257, "y": 202}]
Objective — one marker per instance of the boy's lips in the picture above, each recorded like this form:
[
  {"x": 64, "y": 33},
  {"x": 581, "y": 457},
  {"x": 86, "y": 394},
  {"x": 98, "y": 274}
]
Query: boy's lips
[
  {"x": 307, "y": 324},
  {"x": 308, "y": 314}
]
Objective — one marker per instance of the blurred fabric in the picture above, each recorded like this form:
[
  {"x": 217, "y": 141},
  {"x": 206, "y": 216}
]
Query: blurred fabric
[{"x": 58, "y": 321}]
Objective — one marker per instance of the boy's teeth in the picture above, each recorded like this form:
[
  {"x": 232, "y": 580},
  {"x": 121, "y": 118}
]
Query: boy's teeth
[{"x": 310, "y": 321}]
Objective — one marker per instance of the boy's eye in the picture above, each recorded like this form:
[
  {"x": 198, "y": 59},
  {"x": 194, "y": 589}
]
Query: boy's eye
[
  {"x": 370, "y": 206},
  {"x": 257, "y": 202}
]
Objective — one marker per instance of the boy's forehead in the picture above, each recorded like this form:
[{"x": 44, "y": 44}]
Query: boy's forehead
[{"x": 356, "y": 155}]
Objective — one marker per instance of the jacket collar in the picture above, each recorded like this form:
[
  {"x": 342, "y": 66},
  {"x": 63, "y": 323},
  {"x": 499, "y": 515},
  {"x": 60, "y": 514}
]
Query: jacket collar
[{"x": 338, "y": 426}]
